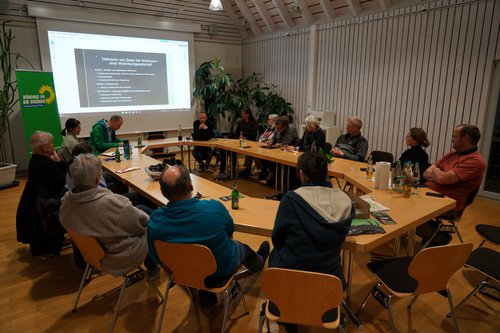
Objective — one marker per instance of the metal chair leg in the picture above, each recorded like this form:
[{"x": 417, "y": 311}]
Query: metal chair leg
[
  {"x": 391, "y": 316},
  {"x": 155, "y": 288},
  {"x": 162, "y": 311},
  {"x": 457, "y": 231},
  {"x": 226, "y": 309},
  {"x": 268, "y": 326},
  {"x": 450, "y": 300},
  {"x": 240, "y": 291},
  {"x": 412, "y": 301},
  {"x": 472, "y": 293},
  {"x": 117, "y": 306},
  {"x": 366, "y": 298},
  {"x": 82, "y": 282},
  {"x": 262, "y": 318},
  {"x": 433, "y": 235}
]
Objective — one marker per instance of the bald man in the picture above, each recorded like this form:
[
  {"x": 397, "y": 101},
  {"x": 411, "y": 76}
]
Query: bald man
[
  {"x": 36, "y": 219},
  {"x": 207, "y": 222}
]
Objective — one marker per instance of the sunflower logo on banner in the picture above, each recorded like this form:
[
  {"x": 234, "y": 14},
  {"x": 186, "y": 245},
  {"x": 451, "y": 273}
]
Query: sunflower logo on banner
[{"x": 48, "y": 92}]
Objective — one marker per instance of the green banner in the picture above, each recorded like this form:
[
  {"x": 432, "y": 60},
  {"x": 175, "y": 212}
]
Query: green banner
[{"x": 38, "y": 105}]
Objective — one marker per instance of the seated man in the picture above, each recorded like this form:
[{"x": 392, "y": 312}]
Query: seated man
[
  {"x": 203, "y": 155},
  {"x": 458, "y": 175},
  {"x": 103, "y": 134},
  {"x": 313, "y": 138},
  {"x": 352, "y": 145},
  {"x": 207, "y": 222},
  {"x": 312, "y": 222},
  {"x": 36, "y": 218},
  {"x": 90, "y": 210}
]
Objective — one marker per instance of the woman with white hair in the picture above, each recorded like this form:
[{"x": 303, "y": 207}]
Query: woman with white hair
[{"x": 314, "y": 138}]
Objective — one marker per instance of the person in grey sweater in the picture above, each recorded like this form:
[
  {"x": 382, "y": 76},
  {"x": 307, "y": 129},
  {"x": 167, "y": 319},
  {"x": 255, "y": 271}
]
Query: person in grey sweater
[
  {"x": 118, "y": 226},
  {"x": 352, "y": 145}
]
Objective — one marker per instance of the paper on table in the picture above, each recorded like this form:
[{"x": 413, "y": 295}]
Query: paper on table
[
  {"x": 374, "y": 205},
  {"x": 127, "y": 169}
]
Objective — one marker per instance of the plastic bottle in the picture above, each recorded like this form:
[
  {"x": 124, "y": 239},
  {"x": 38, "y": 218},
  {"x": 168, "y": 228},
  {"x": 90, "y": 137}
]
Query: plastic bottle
[
  {"x": 241, "y": 139},
  {"x": 126, "y": 149},
  {"x": 235, "y": 197},
  {"x": 416, "y": 176},
  {"x": 139, "y": 142}
]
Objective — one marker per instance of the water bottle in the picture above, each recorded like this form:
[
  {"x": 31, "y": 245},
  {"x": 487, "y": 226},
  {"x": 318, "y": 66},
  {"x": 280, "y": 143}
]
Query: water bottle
[
  {"x": 407, "y": 182},
  {"x": 118, "y": 157},
  {"x": 241, "y": 139},
  {"x": 369, "y": 168},
  {"x": 179, "y": 133},
  {"x": 139, "y": 142},
  {"x": 126, "y": 149},
  {"x": 416, "y": 176}
]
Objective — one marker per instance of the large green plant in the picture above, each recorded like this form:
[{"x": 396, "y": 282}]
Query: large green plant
[
  {"x": 222, "y": 96},
  {"x": 8, "y": 98}
]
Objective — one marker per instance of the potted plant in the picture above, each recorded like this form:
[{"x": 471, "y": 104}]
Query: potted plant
[
  {"x": 221, "y": 95},
  {"x": 8, "y": 100}
]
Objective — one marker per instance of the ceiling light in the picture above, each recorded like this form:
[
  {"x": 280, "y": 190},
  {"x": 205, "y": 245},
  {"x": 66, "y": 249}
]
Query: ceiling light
[{"x": 215, "y": 5}]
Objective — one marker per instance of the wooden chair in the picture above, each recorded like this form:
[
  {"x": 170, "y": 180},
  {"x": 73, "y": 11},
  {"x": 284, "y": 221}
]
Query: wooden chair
[
  {"x": 159, "y": 153},
  {"x": 93, "y": 253},
  {"x": 485, "y": 261},
  {"x": 427, "y": 272},
  {"x": 189, "y": 265},
  {"x": 381, "y": 156},
  {"x": 301, "y": 297}
]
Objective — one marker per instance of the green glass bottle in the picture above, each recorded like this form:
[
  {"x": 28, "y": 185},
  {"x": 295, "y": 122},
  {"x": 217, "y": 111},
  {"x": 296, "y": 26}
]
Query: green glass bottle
[
  {"x": 235, "y": 196},
  {"x": 139, "y": 142},
  {"x": 118, "y": 157}
]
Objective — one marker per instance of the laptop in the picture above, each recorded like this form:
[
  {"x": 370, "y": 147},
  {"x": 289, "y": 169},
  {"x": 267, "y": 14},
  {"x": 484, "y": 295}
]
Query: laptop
[{"x": 201, "y": 136}]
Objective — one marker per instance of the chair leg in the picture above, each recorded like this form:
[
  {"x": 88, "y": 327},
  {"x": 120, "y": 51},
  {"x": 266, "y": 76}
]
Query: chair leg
[
  {"x": 452, "y": 308},
  {"x": 240, "y": 291},
  {"x": 472, "y": 293},
  {"x": 118, "y": 303},
  {"x": 82, "y": 282},
  {"x": 391, "y": 316},
  {"x": 433, "y": 235},
  {"x": 226, "y": 309},
  {"x": 457, "y": 231},
  {"x": 155, "y": 288},
  {"x": 268, "y": 326},
  {"x": 262, "y": 318},
  {"x": 366, "y": 298},
  {"x": 162, "y": 311},
  {"x": 412, "y": 301}
]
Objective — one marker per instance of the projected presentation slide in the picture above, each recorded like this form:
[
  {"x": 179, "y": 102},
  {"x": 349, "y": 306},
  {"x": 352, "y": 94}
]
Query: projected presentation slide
[
  {"x": 109, "y": 78},
  {"x": 102, "y": 73}
]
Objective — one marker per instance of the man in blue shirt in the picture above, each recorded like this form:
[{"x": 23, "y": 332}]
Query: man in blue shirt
[{"x": 207, "y": 222}]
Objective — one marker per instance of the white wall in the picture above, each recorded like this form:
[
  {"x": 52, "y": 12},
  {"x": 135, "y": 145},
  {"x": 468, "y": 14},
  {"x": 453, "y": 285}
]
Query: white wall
[
  {"x": 26, "y": 43},
  {"x": 397, "y": 69}
]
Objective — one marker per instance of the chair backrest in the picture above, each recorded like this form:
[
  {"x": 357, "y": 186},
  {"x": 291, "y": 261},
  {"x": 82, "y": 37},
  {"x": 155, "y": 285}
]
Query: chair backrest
[
  {"x": 433, "y": 266},
  {"x": 328, "y": 147},
  {"x": 381, "y": 156},
  {"x": 302, "y": 297},
  {"x": 156, "y": 136},
  {"x": 91, "y": 250},
  {"x": 189, "y": 264}
]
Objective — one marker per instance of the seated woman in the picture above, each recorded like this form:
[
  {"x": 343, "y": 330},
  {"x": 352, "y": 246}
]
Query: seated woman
[
  {"x": 267, "y": 138},
  {"x": 313, "y": 138},
  {"x": 71, "y": 130},
  {"x": 416, "y": 138},
  {"x": 248, "y": 128}
]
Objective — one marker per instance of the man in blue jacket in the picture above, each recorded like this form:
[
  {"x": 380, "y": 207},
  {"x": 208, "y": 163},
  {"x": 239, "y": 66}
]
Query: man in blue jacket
[{"x": 207, "y": 222}]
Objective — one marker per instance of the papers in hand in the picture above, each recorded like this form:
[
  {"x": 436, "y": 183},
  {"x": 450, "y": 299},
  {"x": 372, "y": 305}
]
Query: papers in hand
[{"x": 374, "y": 205}]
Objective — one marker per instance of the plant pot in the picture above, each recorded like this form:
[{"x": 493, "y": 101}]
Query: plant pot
[{"x": 7, "y": 173}]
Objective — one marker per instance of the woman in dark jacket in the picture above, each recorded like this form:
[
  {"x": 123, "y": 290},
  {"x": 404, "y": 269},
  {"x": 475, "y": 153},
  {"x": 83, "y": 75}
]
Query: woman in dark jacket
[
  {"x": 314, "y": 137},
  {"x": 417, "y": 139}
]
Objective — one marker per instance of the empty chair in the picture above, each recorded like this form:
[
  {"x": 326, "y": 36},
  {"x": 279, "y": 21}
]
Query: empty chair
[
  {"x": 429, "y": 271},
  {"x": 93, "y": 253},
  {"x": 190, "y": 265},
  {"x": 159, "y": 153},
  {"x": 301, "y": 297},
  {"x": 381, "y": 156},
  {"x": 485, "y": 261}
]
